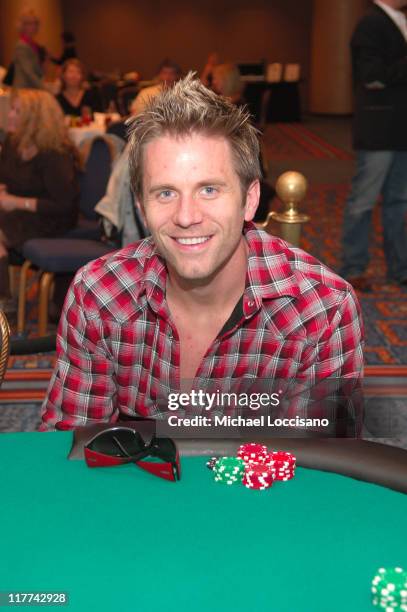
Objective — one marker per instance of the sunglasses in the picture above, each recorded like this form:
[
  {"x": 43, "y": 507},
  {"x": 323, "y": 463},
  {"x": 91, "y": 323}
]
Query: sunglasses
[{"x": 118, "y": 445}]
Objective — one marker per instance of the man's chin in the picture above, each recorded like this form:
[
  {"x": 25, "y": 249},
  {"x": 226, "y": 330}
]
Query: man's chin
[{"x": 195, "y": 278}]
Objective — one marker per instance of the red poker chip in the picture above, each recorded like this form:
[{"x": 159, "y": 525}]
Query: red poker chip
[
  {"x": 284, "y": 476},
  {"x": 257, "y": 469},
  {"x": 276, "y": 470},
  {"x": 258, "y": 461},
  {"x": 282, "y": 464},
  {"x": 257, "y": 477},
  {"x": 282, "y": 457},
  {"x": 259, "y": 483},
  {"x": 262, "y": 468},
  {"x": 252, "y": 452}
]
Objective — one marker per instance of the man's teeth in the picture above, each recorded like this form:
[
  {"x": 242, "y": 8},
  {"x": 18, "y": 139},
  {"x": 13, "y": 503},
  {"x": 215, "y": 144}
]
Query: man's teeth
[{"x": 193, "y": 240}]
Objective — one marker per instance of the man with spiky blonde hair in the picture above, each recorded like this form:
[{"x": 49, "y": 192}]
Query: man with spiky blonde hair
[{"x": 207, "y": 297}]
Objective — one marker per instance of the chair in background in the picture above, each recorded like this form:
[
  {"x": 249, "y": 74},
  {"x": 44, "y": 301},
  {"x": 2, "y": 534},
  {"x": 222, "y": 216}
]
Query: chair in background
[
  {"x": 98, "y": 101},
  {"x": 52, "y": 257},
  {"x": 108, "y": 92},
  {"x": 119, "y": 129},
  {"x": 92, "y": 184},
  {"x": 4, "y": 344},
  {"x": 80, "y": 245}
]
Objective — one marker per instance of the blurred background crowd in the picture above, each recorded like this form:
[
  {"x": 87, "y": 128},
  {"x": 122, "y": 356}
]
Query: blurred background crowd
[{"x": 55, "y": 110}]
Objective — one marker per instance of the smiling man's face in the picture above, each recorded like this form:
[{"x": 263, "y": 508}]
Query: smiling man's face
[{"x": 193, "y": 204}]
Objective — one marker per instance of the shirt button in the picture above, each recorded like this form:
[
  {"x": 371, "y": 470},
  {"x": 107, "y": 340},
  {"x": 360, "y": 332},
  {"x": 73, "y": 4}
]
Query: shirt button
[{"x": 251, "y": 303}]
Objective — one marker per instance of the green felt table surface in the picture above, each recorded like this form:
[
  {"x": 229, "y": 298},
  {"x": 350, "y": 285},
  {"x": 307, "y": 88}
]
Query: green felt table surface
[{"x": 120, "y": 539}]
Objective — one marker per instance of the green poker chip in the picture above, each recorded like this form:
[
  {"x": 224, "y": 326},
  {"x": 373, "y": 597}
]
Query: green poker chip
[
  {"x": 389, "y": 589},
  {"x": 229, "y": 470}
]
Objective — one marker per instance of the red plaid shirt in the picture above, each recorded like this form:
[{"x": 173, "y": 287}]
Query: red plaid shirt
[{"x": 118, "y": 349}]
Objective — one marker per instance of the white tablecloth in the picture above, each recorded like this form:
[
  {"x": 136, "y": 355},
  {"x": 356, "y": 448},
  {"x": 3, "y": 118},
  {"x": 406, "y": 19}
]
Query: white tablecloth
[{"x": 78, "y": 135}]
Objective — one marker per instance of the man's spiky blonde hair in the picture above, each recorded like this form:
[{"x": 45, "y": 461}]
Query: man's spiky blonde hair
[{"x": 186, "y": 108}]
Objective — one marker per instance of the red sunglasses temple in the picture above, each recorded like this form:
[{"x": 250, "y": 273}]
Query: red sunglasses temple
[{"x": 168, "y": 470}]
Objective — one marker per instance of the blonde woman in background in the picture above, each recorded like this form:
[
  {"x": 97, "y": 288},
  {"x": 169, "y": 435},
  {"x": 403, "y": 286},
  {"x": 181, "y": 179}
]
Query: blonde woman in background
[
  {"x": 38, "y": 187},
  {"x": 29, "y": 56}
]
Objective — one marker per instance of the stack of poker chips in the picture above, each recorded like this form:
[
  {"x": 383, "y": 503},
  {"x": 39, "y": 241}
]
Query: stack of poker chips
[
  {"x": 252, "y": 453},
  {"x": 255, "y": 467},
  {"x": 389, "y": 589},
  {"x": 229, "y": 470},
  {"x": 257, "y": 477},
  {"x": 281, "y": 464}
]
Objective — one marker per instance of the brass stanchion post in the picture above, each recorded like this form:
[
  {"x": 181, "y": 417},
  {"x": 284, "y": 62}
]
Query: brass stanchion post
[{"x": 291, "y": 188}]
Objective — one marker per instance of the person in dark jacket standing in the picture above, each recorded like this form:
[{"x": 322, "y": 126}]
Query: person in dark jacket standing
[{"x": 379, "y": 62}]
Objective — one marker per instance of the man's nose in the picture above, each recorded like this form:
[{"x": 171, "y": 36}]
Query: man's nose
[{"x": 187, "y": 212}]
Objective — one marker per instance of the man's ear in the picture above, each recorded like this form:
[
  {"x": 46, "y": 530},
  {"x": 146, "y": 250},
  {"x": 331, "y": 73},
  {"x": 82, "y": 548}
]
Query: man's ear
[{"x": 252, "y": 200}]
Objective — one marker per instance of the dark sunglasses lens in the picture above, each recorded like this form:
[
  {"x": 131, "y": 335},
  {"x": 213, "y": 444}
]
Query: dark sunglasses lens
[
  {"x": 118, "y": 443},
  {"x": 164, "y": 449}
]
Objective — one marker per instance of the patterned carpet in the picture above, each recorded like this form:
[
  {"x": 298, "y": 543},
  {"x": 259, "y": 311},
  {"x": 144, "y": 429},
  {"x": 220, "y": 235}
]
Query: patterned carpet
[
  {"x": 385, "y": 309},
  {"x": 295, "y": 141}
]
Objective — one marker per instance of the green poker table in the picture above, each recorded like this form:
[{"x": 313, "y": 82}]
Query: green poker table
[{"x": 120, "y": 539}]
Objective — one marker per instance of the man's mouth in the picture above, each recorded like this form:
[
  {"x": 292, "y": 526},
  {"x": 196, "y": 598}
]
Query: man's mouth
[{"x": 192, "y": 241}]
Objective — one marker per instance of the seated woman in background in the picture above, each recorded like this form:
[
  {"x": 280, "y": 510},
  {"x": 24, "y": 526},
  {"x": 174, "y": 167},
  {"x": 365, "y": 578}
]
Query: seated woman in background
[
  {"x": 38, "y": 186},
  {"x": 74, "y": 97}
]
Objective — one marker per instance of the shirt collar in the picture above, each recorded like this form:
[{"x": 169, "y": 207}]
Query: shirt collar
[{"x": 269, "y": 272}]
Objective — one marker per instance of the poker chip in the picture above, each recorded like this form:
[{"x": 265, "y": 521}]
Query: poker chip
[
  {"x": 389, "y": 589},
  {"x": 281, "y": 464},
  {"x": 211, "y": 463},
  {"x": 252, "y": 453},
  {"x": 257, "y": 477},
  {"x": 229, "y": 470},
  {"x": 256, "y": 468}
]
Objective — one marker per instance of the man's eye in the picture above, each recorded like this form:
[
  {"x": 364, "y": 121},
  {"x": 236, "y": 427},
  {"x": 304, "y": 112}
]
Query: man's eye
[
  {"x": 209, "y": 190},
  {"x": 165, "y": 194}
]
